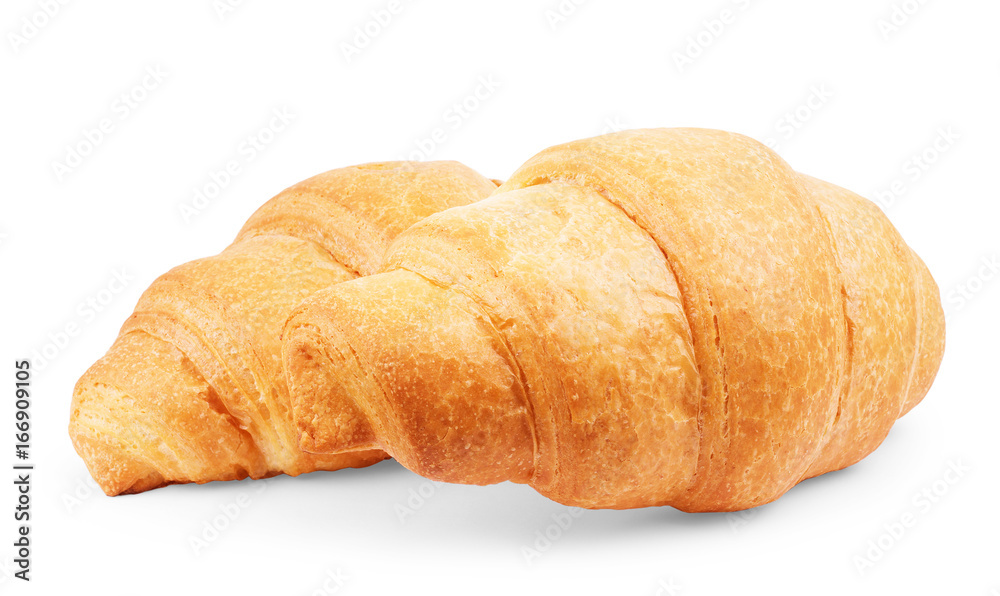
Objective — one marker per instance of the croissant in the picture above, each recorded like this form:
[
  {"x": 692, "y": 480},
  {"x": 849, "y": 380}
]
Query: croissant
[
  {"x": 193, "y": 388},
  {"x": 654, "y": 317}
]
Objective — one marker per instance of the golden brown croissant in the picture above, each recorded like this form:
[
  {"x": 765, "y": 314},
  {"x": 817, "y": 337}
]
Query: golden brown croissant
[
  {"x": 193, "y": 389},
  {"x": 655, "y": 317}
]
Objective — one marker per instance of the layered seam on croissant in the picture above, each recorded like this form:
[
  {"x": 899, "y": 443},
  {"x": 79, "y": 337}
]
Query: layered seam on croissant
[
  {"x": 655, "y": 317},
  {"x": 193, "y": 388}
]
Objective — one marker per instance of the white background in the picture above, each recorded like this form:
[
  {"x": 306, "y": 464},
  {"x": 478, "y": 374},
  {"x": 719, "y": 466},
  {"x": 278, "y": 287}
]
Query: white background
[{"x": 882, "y": 96}]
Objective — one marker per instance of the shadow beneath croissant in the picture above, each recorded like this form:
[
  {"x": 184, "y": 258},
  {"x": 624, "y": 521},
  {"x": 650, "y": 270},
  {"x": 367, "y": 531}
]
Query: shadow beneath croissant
[{"x": 387, "y": 502}]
